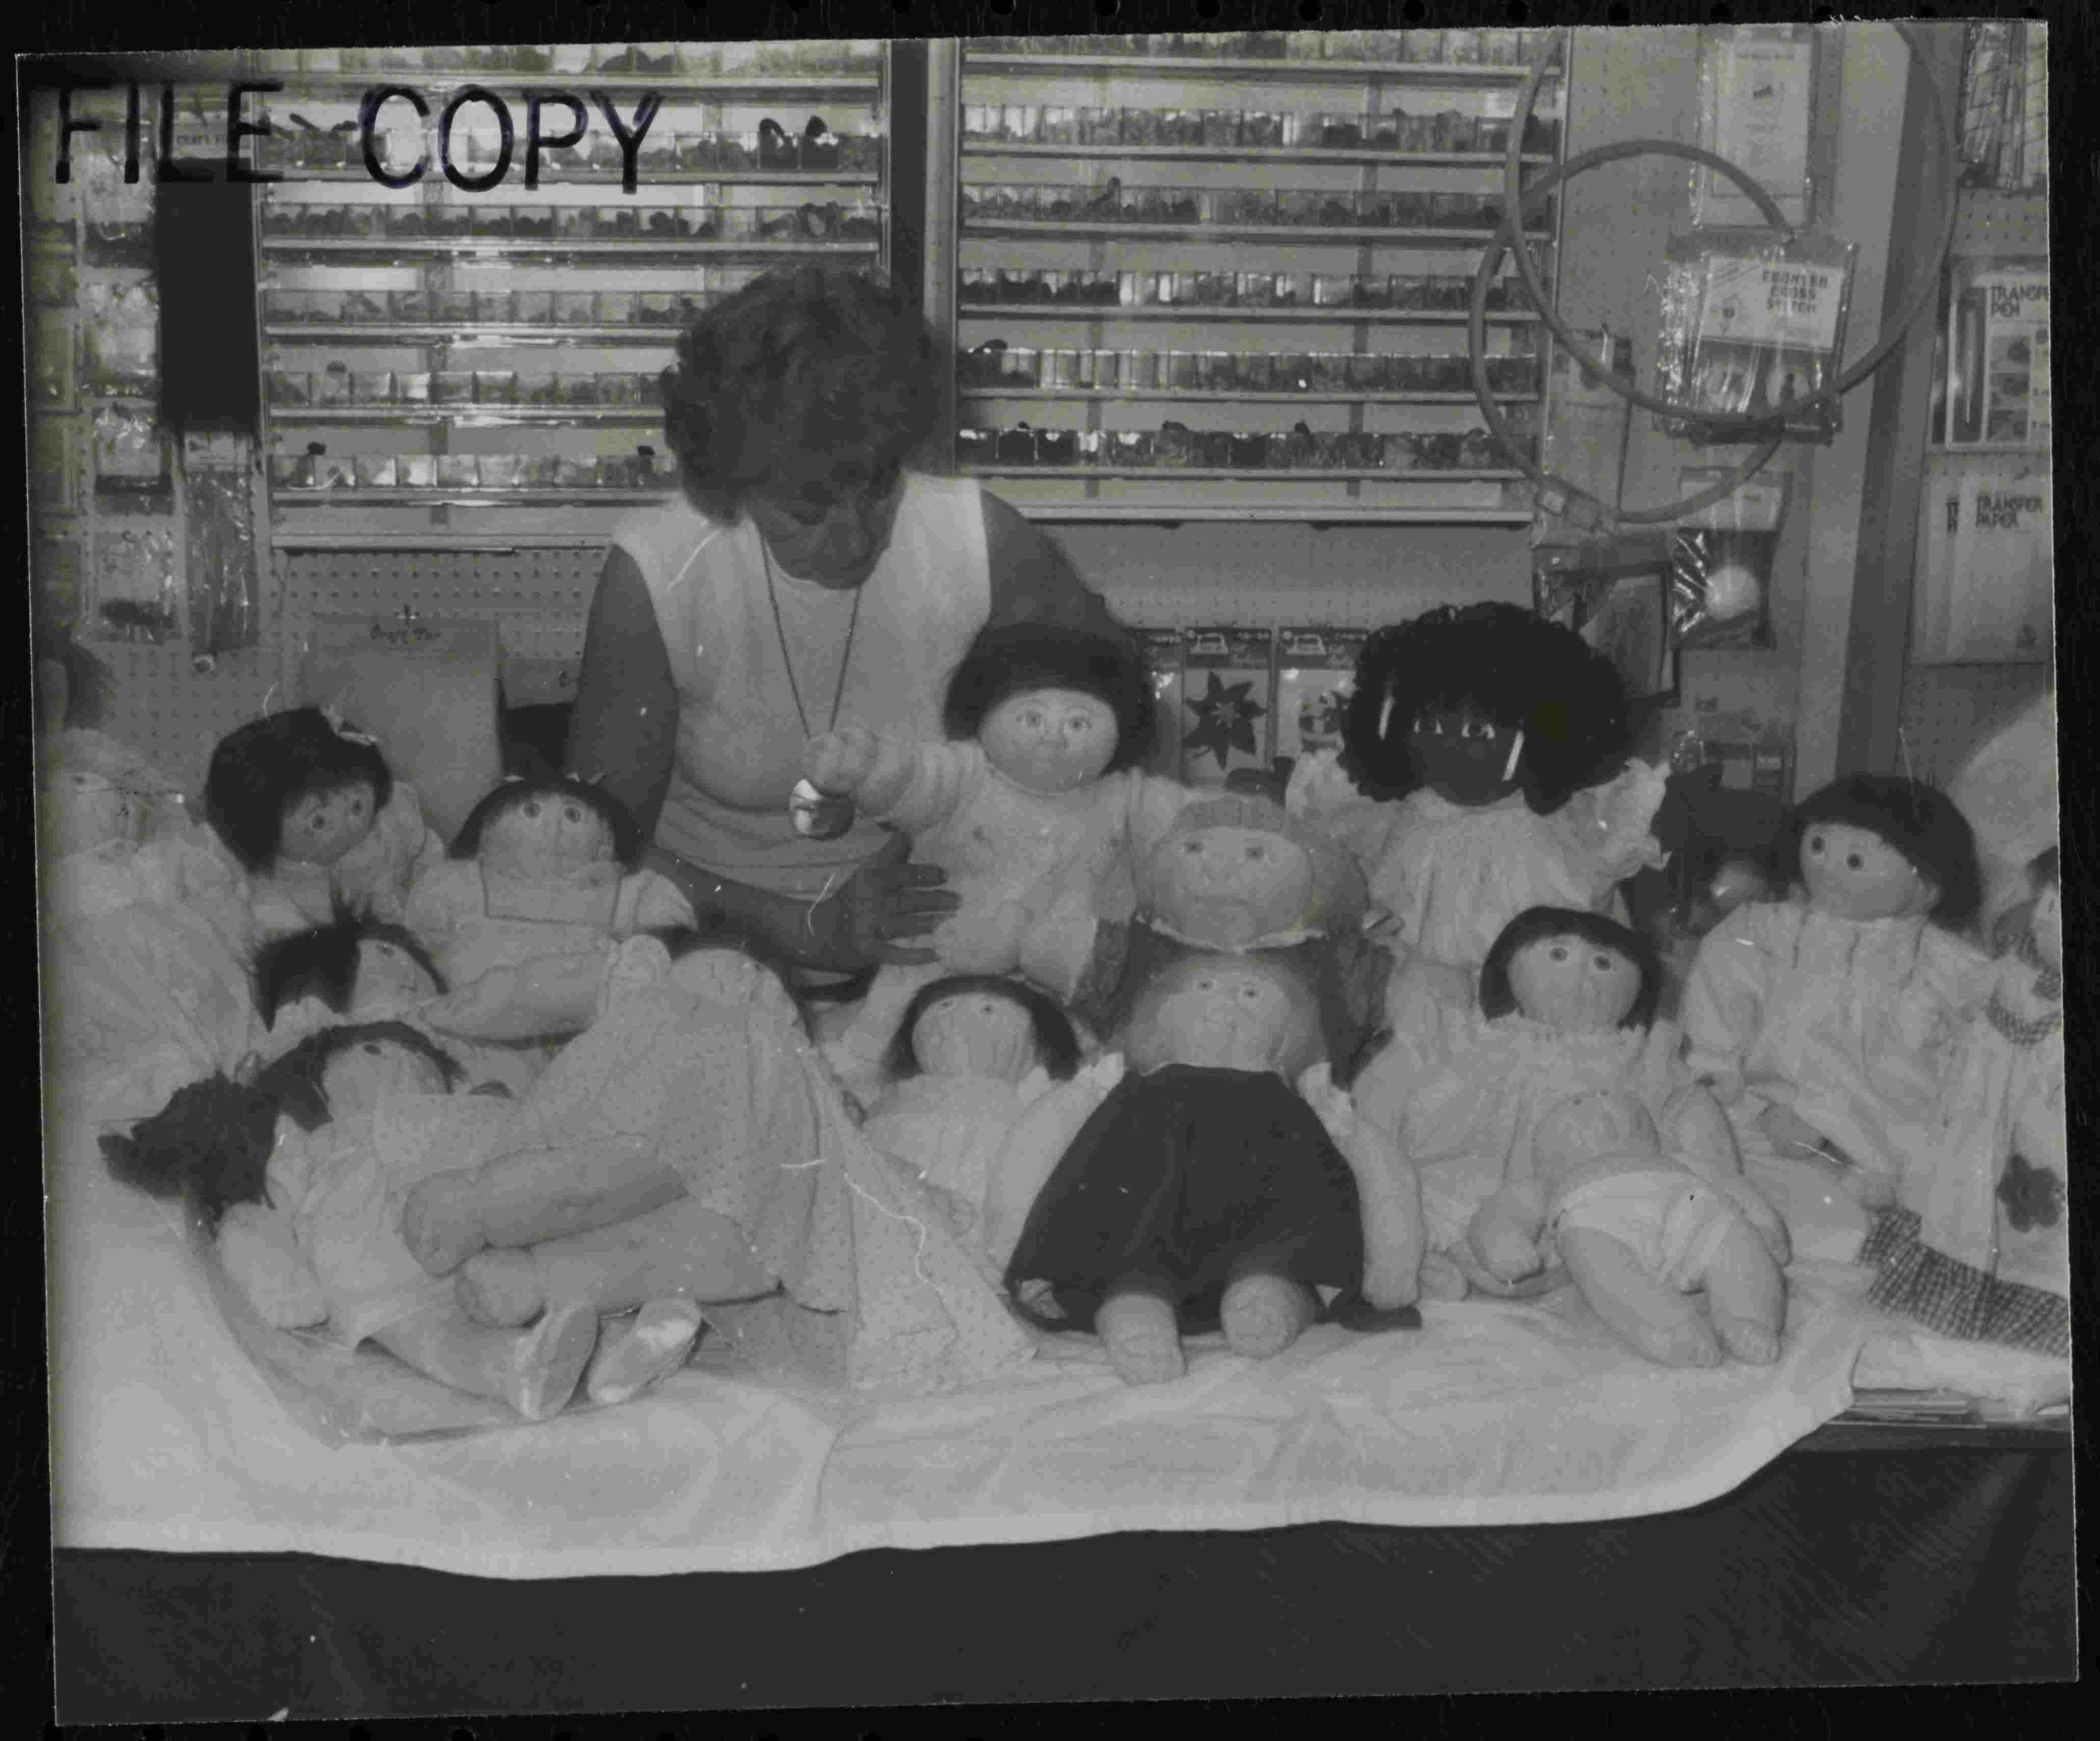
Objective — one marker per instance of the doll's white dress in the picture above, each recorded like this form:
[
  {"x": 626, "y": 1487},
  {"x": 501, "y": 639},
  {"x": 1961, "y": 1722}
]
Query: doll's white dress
[
  {"x": 1978, "y": 1247},
  {"x": 1852, "y": 1024}
]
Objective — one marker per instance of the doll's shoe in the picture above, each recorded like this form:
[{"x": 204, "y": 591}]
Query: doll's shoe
[
  {"x": 548, "y": 1362},
  {"x": 501, "y": 1287},
  {"x": 1143, "y": 1341},
  {"x": 1264, "y": 1315},
  {"x": 633, "y": 1358}
]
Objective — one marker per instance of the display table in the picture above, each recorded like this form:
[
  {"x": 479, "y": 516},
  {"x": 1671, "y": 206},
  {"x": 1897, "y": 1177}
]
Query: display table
[{"x": 1869, "y": 1554}]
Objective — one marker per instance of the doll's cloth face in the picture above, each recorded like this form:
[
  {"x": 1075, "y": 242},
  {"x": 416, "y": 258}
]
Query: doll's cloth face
[
  {"x": 978, "y": 1034},
  {"x": 1050, "y": 739},
  {"x": 1591, "y": 1127},
  {"x": 546, "y": 836},
  {"x": 1226, "y": 1018},
  {"x": 1227, "y": 886},
  {"x": 1572, "y": 985},
  {"x": 1853, "y": 873},
  {"x": 357, "y": 1080},
  {"x": 1462, "y": 757},
  {"x": 323, "y": 826},
  {"x": 389, "y": 978}
]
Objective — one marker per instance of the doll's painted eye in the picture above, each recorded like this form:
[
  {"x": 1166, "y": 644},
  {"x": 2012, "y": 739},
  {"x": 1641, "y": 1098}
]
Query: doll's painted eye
[
  {"x": 1257, "y": 851},
  {"x": 372, "y": 1048},
  {"x": 572, "y": 813},
  {"x": 1606, "y": 963},
  {"x": 1193, "y": 848},
  {"x": 1855, "y": 861},
  {"x": 1249, "y": 994},
  {"x": 531, "y": 809},
  {"x": 1558, "y": 952},
  {"x": 1815, "y": 843}
]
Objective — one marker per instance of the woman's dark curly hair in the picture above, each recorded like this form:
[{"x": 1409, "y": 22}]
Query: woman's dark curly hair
[
  {"x": 322, "y": 962},
  {"x": 1536, "y": 924},
  {"x": 1057, "y": 1045},
  {"x": 211, "y": 1144},
  {"x": 521, "y": 789},
  {"x": 810, "y": 376},
  {"x": 1499, "y": 663},
  {"x": 259, "y": 771},
  {"x": 1919, "y": 821},
  {"x": 1007, "y": 661}
]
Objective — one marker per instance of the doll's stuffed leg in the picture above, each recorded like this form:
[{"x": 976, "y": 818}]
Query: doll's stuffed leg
[
  {"x": 534, "y": 1370},
  {"x": 651, "y": 1346},
  {"x": 1503, "y": 1235},
  {"x": 1653, "y": 1318},
  {"x": 680, "y": 1249},
  {"x": 1143, "y": 1340},
  {"x": 1263, "y": 1314},
  {"x": 1746, "y": 1298}
]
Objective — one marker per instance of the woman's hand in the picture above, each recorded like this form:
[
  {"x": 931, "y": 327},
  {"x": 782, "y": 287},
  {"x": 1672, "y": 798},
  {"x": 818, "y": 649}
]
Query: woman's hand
[
  {"x": 886, "y": 901},
  {"x": 838, "y": 763}
]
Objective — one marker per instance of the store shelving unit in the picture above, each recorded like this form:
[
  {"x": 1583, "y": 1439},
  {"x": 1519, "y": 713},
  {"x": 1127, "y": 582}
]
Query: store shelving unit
[{"x": 1231, "y": 280}]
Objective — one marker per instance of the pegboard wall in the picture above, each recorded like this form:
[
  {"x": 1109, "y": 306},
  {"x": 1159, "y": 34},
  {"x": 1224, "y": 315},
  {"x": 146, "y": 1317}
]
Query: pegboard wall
[
  {"x": 1947, "y": 710},
  {"x": 538, "y": 595},
  {"x": 172, "y": 710}
]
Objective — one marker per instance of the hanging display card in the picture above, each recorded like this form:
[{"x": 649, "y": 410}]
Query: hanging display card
[
  {"x": 1315, "y": 668},
  {"x": 1983, "y": 595},
  {"x": 1162, "y": 666},
  {"x": 1722, "y": 557},
  {"x": 1228, "y": 692},
  {"x": 1756, "y": 86},
  {"x": 1997, "y": 379},
  {"x": 1752, "y": 322}
]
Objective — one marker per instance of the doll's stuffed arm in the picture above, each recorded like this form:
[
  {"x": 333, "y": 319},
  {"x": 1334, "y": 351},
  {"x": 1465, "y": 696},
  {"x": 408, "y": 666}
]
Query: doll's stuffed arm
[
  {"x": 914, "y": 786},
  {"x": 1504, "y": 1233},
  {"x": 1389, "y": 1190},
  {"x": 1037, "y": 1143},
  {"x": 1613, "y": 825},
  {"x": 530, "y": 1194},
  {"x": 1723, "y": 997},
  {"x": 649, "y": 901},
  {"x": 550, "y": 994}
]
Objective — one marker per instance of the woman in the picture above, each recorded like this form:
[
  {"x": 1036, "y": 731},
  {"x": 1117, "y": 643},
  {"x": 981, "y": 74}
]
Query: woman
[{"x": 807, "y": 577}]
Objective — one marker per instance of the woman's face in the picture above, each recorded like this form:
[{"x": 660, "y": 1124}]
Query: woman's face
[{"x": 832, "y": 536}]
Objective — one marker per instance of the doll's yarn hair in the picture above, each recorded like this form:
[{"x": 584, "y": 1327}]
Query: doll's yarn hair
[
  {"x": 1498, "y": 662},
  {"x": 293, "y": 1083},
  {"x": 1056, "y": 1041},
  {"x": 521, "y": 789},
  {"x": 1539, "y": 925},
  {"x": 210, "y": 1145},
  {"x": 1917, "y": 820},
  {"x": 322, "y": 962},
  {"x": 259, "y": 771},
  {"x": 1016, "y": 658},
  {"x": 1142, "y": 1045},
  {"x": 1340, "y": 896}
]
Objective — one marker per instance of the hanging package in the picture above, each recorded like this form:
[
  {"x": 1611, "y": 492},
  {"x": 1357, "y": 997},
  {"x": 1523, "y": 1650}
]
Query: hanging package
[{"x": 1722, "y": 562}]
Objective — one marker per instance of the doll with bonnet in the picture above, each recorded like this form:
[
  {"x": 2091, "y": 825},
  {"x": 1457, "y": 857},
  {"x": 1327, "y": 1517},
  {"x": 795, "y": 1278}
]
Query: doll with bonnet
[
  {"x": 307, "y": 810},
  {"x": 1979, "y": 1246},
  {"x": 1223, "y": 1181},
  {"x": 1034, "y": 808},
  {"x": 1483, "y": 770},
  {"x": 523, "y": 913},
  {"x": 1826, "y": 1023}
]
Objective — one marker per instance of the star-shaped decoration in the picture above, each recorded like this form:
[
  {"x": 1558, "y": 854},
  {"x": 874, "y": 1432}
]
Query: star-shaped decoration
[{"x": 1225, "y": 714}]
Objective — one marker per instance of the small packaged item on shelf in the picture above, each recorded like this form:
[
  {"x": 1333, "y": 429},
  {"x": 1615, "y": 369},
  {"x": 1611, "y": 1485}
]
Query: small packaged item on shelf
[
  {"x": 332, "y": 385},
  {"x": 1332, "y": 290},
  {"x": 334, "y": 471},
  {"x": 1217, "y": 371},
  {"x": 981, "y": 121},
  {"x": 452, "y": 387},
  {"x": 1252, "y": 206},
  {"x": 1399, "y": 450},
  {"x": 1227, "y": 698},
  {"x": 415, "y": 470},
  {"x": 1340, "y": 132},
  {"x": 616, "y": 390},
  {"x": 534, "y": 308},
  {"x": 1330, "y": 371},
  {"x": 657, "y": 308},
  {"x": 405, "y": 223},
  {"x": 454, "y": 307},
  {"x": 1182, "y": 371},
  {"x": 1131, "y": 450},
  {"x": 502, "y": 471},
  {"x": 285, "y": 307},
  {"x": 615, "y": 308},
  {"x": 541, "y": 472},
  {"x": 1463, "y": 48},
  {"x": 372, "y": 386},
  {"x": 1016, "y": 446},
  {"x": 1098, "y": 126},
  {"x": 532, "y": 223},
  {"x": 1058, "y": 125},
  {"x": 541, "y": 390},
  {"x": 458, "y": 471},
  {"x": 1315, "y": 670},
  {"x": 577, "y": 471},
  {"x": 1439, "y": 450},
  {"x": 659, "y": 224},
  {"x": 1369, "y": 373},
  {"x": 450, "y": 223},
  {"x": 576, "y": 307},
  {"x": 1257, "y": 372},
  {"x": 976, "y": 447},
  {"x": 1140, "y": 371},
  {"x": 617, "y": 223},
  {"x": 495, "y": 386},
  {"x": 1247, "y": 452},
  {"x": 579, "y": 389},
  {"x": 1297, "y": 207},
  {"x": 494, "y": 307},
  {"x": 1018, "y": 123},
  {"x": 1175, "y": 445},
  {"x": 1479, "y": 451},
  {"x": 412, "y": 386},
  {"x": 490, "y": 220},
  {"x": 378, "y": 471},
  {"x": 289, "y": 387},
  {"x": 291, "y": 472},
  {"x": 1381, "y": 132},
  {"x": 1056, "y": 447},
  {"x": 1451, "y": 130},
  {"x": 1222, "y": 127},
  {"x": 1103, "y": 370}
]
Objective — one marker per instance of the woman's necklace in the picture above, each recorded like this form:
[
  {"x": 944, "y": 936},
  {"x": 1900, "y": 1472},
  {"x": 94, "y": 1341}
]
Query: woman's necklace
[{"x": 814, "y": 813}]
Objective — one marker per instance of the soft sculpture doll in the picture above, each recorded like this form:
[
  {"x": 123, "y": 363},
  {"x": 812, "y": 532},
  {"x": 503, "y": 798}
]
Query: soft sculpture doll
[
  {"x": 524, "y": 914},
  {"x": 359, "y": 969},
  {"x": 972, "y": 1053},
  {"x": 1034, "y": 809},
  {"x": 1979, "y": 1247},
  {"x": 1640, "y": 1234},
  {"x": 1826, "y": 1023},
  {"x": 1483, "y": 770},
  {"x": 301, "y": 1176},
  {"x": 1237, "y": 874},
  {"x": 1206, "y": 1192},
  {"x": 1566, "y": 1005},
  {"x": 308, "y": 811}
]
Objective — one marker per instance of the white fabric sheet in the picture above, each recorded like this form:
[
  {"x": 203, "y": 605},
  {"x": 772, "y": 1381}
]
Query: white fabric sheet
[{"x": 165, "y": 1436}]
